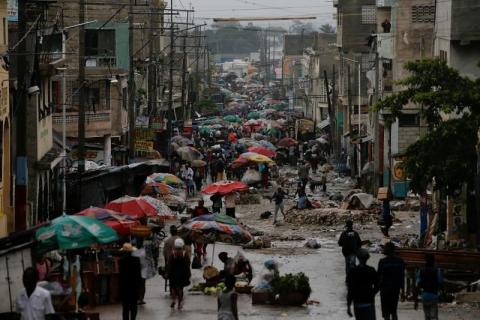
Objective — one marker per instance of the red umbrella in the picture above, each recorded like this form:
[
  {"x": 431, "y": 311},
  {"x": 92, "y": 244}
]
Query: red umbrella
[
  {"x": 263, "y": 151},
  {"x": 136, "y": 207},
  {"x": 286, "y": 143},
  {"x": 118, "y": 221},
  {"x": 225, "y": 187}
]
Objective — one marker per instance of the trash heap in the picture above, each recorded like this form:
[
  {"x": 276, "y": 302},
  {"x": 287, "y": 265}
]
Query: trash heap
[{"x": 328, "y": 217}]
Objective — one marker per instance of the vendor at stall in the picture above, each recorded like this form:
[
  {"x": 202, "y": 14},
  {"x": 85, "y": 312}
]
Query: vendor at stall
[{"x": 238, "y": 266}]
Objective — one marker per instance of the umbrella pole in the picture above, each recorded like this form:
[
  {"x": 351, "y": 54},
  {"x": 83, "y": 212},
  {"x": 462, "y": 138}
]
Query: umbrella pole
[{"x": 213, "y": 253}]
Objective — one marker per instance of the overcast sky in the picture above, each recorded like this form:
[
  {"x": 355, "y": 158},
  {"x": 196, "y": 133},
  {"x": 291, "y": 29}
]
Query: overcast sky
[{"x": 322, "y": 9}]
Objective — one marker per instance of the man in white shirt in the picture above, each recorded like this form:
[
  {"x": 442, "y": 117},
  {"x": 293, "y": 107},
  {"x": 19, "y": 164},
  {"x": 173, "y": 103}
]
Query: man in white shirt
[
  {"x": 33, "y": 302},
  {"x": 230, "y": 203}
]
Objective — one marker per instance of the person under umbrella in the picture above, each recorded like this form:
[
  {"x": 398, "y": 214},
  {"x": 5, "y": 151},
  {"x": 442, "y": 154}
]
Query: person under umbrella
[
  {"x": 178, "y": 271},
  {"x": 130, "y": 280}
]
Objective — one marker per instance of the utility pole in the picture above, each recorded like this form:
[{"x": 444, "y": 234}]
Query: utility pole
[
  {"x": 333, "y": 122},
  {"x": 152, "y": 68},
  {"x": 350, "y": 113},
  {"x": 330, "y": 108},
  {"x": 376, "y": 147},
  {"x": 170, "y": 83},
  {"x": 184, "y": 71},
  {"x": 20, "y": 221},
  {"x": 82, "y": 93},
  {"x": 131, "y": 86}
]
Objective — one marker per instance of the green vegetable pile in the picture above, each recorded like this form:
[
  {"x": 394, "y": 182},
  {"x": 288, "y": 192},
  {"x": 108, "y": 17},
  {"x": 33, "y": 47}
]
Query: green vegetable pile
[{"x": 289, "y": 283}]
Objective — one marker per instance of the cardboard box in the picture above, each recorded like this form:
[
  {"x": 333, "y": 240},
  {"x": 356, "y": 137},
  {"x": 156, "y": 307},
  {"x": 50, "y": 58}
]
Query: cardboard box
[{"x": 383, "y": 193}]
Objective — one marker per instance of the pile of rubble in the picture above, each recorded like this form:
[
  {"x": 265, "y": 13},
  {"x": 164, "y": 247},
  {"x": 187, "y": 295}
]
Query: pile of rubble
[
  {"x": 328, "y": 217},
  {"x": 249, "y": 198}
]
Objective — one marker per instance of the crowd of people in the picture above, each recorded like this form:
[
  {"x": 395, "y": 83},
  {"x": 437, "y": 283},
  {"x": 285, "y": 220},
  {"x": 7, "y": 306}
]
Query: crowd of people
[{"x": 364, "y": 282}]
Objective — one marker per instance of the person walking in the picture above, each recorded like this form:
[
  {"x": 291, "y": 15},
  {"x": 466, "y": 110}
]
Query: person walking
[
  {"x": 33, "y": 302},
  {"x": 169, "y": 243},
  {"x": 216, "y": 202},
  {"x": 198, "y": 177},
  {"x": 429, "y": 282},
  {"x": 324, "y": 183},
  {"x": 178, "y": 273},
  {"x": 350, "y": 242},
  {"x": 387, "y": 217},
  {"x": 220, "y": 169},
  {"x": 213, "y": 169},
  {"x": 230, "y": 203},
  {"x": 227, "y": 300},
  {"x": 278, "y": 197},
  {"x": 362, "y": 284},
  {"x": 391, "y": 274},
  {"x": 130, "y": 281},
  {"x": 303, "y": 172},
  {"x": 265, "y": 175}
]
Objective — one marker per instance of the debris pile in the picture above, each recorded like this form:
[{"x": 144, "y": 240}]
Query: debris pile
[
  {"x": 249, "y": 198},
  {"x": 327, "y": 217}
]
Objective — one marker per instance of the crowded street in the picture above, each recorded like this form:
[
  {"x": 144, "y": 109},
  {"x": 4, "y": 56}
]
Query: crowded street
[{"x": 239, "y": 159}]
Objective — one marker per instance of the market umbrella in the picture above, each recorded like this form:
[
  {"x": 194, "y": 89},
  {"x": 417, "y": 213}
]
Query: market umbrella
[
  {"x": 257, "y": 158},
  {"x": 119, "y": 222},
  {"x": 232, "y": 118},
  {"x": 213, "y": 231},
  {"x": 224, "y": 187},
  {"x": 167, "y": 178},
  {"x": 286, "y": 143},
  {"x": 182, "y": 141},
  {"x": 198, "y": 163},
  {"x": 263, "y": 151},
  {"x": 73, "y": 232},
  {"x": 222, "y": 218},
  {"x": 144, "y": 206},
  {"x": 189, "y": 153},
  {"x": 253, "y": 115},
  {"x": 154, "y": 188},
  {"x": 267, "y": 144},
  {"x": 249, "y": 142}
]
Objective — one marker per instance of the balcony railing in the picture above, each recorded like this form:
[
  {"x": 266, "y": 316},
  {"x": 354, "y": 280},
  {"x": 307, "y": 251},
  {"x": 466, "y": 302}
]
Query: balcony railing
[
  {"x": 73, "y": 118},
  {"x": 100, "y": 61}
]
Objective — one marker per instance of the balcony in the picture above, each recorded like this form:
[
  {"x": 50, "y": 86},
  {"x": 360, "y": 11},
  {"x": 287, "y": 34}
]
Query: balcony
[
  {"x": 385, "y": 45},
  {"x": 384, "y": 3},
  {"x": 100, "y": 61},
  {"x": 97, "y": 124}
]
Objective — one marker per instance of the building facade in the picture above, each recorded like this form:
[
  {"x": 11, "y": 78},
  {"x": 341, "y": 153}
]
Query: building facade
[{"x": 6, "y": 218}]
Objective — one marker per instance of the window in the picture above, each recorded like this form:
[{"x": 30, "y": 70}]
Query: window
[
  {"x": 100, "y": 43},
  {"x": 443, "y": 56},
  {"x": 409, "y": 120},
  {"x": 52, "y": 43},
  {"x": 57, "y": 95},
  {"x": 369, "y": 15},
  {"x": 339, "y": 17},
  {"x": 423, "y": 14}
]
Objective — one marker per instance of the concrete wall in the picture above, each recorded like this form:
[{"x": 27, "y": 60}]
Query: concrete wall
[
  {"x": 5, "y": 206},
  {"x": 413, "y": 41},
  {"x": 354, "y": 34}
]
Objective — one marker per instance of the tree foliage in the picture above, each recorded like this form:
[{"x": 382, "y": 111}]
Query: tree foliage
[
  {"x": 327, "y": 28},
  {"x": 446, "y": 153},
  {"x": 450, "y": 104}
]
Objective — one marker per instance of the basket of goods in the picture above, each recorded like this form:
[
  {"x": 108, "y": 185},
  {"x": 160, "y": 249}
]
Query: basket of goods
[
  {"x": 140, "y": 231},
  {"x": 211, "y": 276},
  {"x": 243, "y": 287},
  {"x": 292, "y": 289}
]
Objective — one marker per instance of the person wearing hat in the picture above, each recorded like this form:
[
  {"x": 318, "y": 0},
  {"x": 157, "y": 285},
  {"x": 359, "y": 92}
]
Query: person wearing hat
[
  {"x": 362, "y": 284},
  {"x": 391, "y": 274},
  {"x": 350, "y": 242},
  {"x": 129, "y": 280},
  {"x": 178, "y": 271}
]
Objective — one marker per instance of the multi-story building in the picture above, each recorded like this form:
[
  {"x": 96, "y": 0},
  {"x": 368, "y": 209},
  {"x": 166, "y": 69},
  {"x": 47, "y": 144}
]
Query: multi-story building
[
  {"x": 356, "y": 25},
  {"x": 457, "y": 35},
  {"x": 317, "y": 59},
  {"x": 6, "y": 219},
  {"x": 404, "y": 33}
]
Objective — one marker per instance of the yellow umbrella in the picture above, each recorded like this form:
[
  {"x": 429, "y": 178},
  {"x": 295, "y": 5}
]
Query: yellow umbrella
[{"x": 255, "y": 157}]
